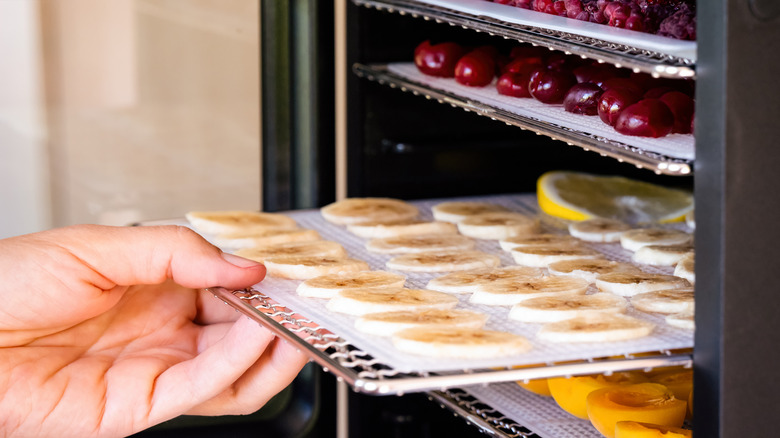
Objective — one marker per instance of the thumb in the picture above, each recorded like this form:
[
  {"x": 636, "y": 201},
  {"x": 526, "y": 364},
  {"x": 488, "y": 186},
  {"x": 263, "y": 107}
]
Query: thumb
[{"x": 151, "y": 255}]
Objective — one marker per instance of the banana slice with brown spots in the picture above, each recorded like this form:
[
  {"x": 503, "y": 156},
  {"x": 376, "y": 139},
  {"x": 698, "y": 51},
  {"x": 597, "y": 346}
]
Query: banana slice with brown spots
[
  {"x": 596, "y": 328},
  {"x": 562, "y": 307},
  {"x": 376, "y": 300},
  {"x": 512, "y": 291},
  {"x": 358, "y": 210},
  {"x": 469, "y": 281},
  {"x": 388, "y": 323},
  {"x": 460, "y": 343},
  {"x": 443, "y": 261},
  {"x": 326, "y": 286}
]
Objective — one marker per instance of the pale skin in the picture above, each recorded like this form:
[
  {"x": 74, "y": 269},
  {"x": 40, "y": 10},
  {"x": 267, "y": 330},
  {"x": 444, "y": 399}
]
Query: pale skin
[{"x": 106, "y": 331}]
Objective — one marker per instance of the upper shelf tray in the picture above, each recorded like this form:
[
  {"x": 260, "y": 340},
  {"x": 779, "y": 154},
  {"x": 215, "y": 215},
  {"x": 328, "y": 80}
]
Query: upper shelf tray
[
  {"x": 671, "y": 155},
  {"x": 657, "y": 55}
]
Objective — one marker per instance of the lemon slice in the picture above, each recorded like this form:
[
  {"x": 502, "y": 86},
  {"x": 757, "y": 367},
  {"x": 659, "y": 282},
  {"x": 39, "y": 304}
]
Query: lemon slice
[{"x": 579, "y": 196}]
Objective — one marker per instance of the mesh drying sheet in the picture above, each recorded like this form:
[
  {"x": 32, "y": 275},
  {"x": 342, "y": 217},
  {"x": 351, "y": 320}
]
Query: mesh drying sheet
[
  {"x": 679, "y": 146},
  {"x": 283, "y": 291},
  {"x": 509, "y": 14},
  {"x": 540, "y": 414}
]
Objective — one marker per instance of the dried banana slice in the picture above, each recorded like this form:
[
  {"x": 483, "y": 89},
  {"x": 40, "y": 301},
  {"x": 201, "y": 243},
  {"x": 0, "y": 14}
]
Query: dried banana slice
[
  {"x": 562, "y": 307},
  {"x": 589, "y": 269},
  {"x": 664, "y": 301},
  {"x": 314, "y": 248},
  {"x": 326, "y": 286},
  {"x": 264, "y": 237},
  {"x": 661, "y": 255},
  {"x": 388, "y": 323},
  {"x": 358, "y": 210},
  {"x": 460, "y": 343},
  {"x": 684, "y": 320},
  {"x": 598, "y": 230},
  {"x": 685, "y": 268},
  {"x": 443, "y": 261},
  {"x": 596, "y": 328},
  {"x": 469, "y": 281},
  {"x": 512, "y": 291},
  {"x": 304, "y": 268},
  {"x": 511, "y": 243},
  {"x": 630, "y": 284},
  {"x": 456, "y": 211},
  {"x": 407, "y": 227},
  {"x": 635, "y": 239},
  {"x": 543, "y": 256},
  {"x": 375, "y": 300},
  {"x": 498, "y": 226},
  {"x": 238, "y": 221},
  {"x": 420, "y": 243}
]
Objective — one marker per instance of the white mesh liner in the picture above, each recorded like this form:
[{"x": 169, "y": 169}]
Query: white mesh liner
[
  {"x": 679, "y": 146},
  {"x": 538, "y": 413},
  {"x": 664, "y": 337}
]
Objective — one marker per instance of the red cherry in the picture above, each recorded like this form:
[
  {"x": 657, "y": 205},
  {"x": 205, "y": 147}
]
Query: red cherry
[
  {"x": 550, "y": 86},
  {"x": 657, "y": 92},
  {"x": 514, "y": 84},
  {"x": 646, "y": 118},
  {"x": 583, "y": 98},
  {"x": 438, "y": 59},
  {"x": 682, "y": 107},
  {"x": 613, "y": 102},
  {"x": 596, "y": 73},
  {"x": 522, "y": 65},
  {"x": 623, "y": 83},
  {"x": 475, "y": 69}
]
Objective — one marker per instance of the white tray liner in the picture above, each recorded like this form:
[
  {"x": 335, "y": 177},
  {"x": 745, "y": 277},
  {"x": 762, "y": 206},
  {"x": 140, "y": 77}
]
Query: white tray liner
[
  {"x": 537, "y": 413},
  {"x": 526, "y": 17},
  {"x": 681, "y": 146},
  {"x": 282, "y": 291}
]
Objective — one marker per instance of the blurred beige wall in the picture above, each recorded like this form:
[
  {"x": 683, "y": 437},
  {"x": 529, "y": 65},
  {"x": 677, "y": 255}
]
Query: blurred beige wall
[{"x": 153, "y": 107}]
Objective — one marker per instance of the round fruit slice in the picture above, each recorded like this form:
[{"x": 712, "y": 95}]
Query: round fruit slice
[
  {"x": 388, "y": 323},
  {"x": 511, "y": 291},
  {"x": 303, "y": 268},
  {"x": 264, "y": 237},
  {"x": 373, "y": 300},
  {"x": 469, "y": 281},
  {"x": 635, "y": 239},
  {"x": 498, "y": 226},
  {"x": 460, "y": 343},
  {"x": 662, "y": 255},
  {"x": 642, "y": 402},
  {"x": 589, "y": 269},
  {"x": 314, "y": 248},
  {"x": 443, "y": 261},
  {"x": 598, "y": 229},
  {"x": 357, "y": 210},
  {"x": 511, "y": 243},
  {"x": 685, "y": 268},
  {"x": 627, "y": 284},
  {"x": 684, "y": 320},
  {"x": 544, "y": 255},
  {"x": 420, "y": 243},
  {"x": 664, "y": 301},
  {"x": 238, "y": 221},
  {"x": 563, "y": 307},
  {"x": 596, "y": 328},
  {"x": 456, "y": 211},
  {"x": 407, "y": 227},
  {"x": 570, "y": 392},
  {"x": 327, "y": 286},
  {"x": 579, "y": 196}
]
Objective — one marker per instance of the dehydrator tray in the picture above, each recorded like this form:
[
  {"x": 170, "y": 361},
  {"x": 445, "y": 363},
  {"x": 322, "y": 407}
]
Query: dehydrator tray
[
  {"x": 671, "y": 155},
  {"x": 371, "y": 364},
  {"x": 506, "y": 410},
  {"x": 654, "y": 54}
]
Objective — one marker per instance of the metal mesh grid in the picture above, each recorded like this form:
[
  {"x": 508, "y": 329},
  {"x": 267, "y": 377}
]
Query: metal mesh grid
[{"x": 653, "y": 60}]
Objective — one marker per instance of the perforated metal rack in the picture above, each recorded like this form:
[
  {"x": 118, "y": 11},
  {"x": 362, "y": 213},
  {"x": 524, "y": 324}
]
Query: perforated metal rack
[
  {"x": 659, "y": 163},
  {"x": 654, "y": 62},
  {"x": 483, "y": 416},
  {"x": 363, "y": 373}
]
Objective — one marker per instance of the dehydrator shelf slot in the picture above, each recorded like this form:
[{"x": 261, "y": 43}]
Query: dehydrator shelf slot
[
  {"x": 657, "y": 55},
  {"x": 671, "y": 155}
]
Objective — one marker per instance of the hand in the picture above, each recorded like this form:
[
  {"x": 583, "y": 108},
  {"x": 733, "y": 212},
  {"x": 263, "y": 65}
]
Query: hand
[{"x": 104, "y": 331}]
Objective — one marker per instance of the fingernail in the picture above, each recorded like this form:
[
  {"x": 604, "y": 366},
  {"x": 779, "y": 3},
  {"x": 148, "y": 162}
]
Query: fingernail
[{"x": 239, "y": 261}]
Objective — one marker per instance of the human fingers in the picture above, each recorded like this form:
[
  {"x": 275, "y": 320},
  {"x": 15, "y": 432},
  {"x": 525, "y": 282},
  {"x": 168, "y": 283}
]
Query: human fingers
[
  {"x": 150, "y": 255},
  {"x": 274, "y": 371}
]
